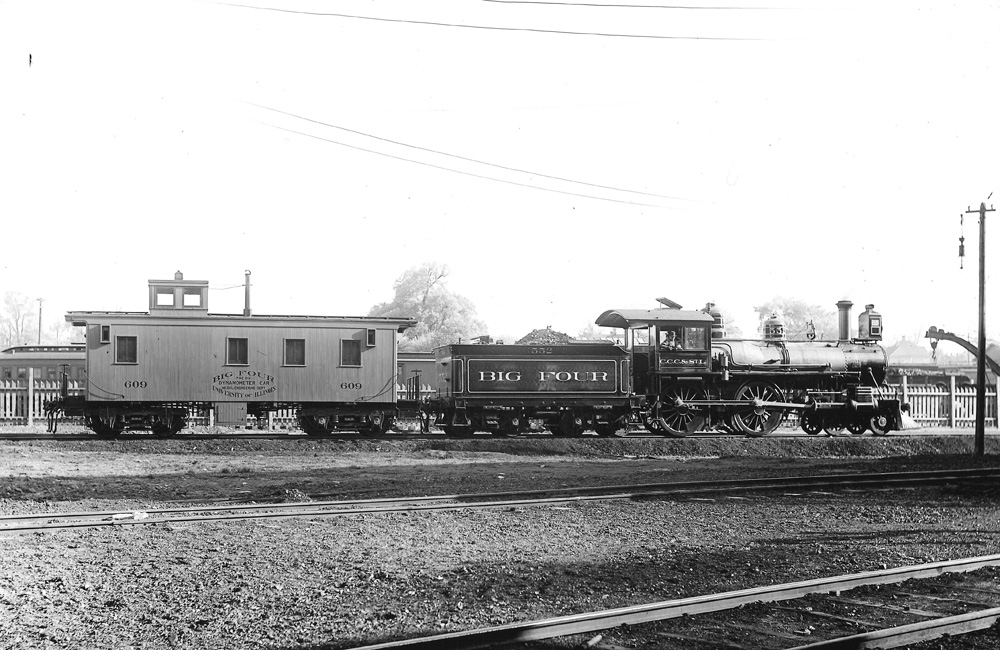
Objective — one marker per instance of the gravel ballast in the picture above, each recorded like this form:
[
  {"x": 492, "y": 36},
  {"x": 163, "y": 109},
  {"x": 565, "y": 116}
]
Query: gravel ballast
[{"x": 323, "y": 582}]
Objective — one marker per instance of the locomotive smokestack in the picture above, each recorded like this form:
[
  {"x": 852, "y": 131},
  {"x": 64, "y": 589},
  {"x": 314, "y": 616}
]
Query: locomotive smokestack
[
  {"x": 844, "y": 320},
  {"x": 246, "y": 299}
]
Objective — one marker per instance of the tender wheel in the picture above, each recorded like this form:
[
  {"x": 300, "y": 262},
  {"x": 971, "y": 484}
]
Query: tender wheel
[
  {"x": 570, "y": 425},
  {"x": 458, "y": 431},
  {"x": 510, "y": 426},
  {"x": 812, "y": 424},
  {"x": 608, "y": 430},
  {"x": 677, "y": 417},
  {"x": 757, "y": 418},
  {"x": 879, "y": 425}
]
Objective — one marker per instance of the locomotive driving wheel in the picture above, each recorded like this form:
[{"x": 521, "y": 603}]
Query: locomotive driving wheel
[
  {"x": 677, "y": 417},
  {"x": 757, "y": 418}
]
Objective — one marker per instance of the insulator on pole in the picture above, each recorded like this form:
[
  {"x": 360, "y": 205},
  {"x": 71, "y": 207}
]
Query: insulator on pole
[{"x": 961, "y": 242}]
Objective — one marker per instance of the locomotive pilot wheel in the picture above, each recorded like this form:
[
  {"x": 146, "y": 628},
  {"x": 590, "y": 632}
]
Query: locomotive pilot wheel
[
  {"x": 677, "y": 417},
  {"x": 757, "y": 418},
  {"x": 812, "y": 423},
  {"x": 857, "y": 427},
  {"x": 833, "y": 426},
  {"x": 879, "y": 425}
]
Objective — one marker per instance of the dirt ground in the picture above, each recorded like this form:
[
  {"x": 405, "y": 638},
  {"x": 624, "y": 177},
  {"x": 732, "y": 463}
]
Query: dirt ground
[{"x": 342, "y": 583}]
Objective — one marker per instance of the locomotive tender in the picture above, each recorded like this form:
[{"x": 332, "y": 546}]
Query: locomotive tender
[
  {"x": 676, "y": 374},
  {"x": 148, "y": 370},
  {"x": 501, "y": 388}
]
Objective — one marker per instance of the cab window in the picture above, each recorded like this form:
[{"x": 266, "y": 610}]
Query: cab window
[
  {"x": 683, "y": 338},
  {"x": 640, "y": 336},
  {"x": 695, "y": 338}
]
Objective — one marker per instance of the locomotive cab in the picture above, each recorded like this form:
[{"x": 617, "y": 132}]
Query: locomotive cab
[{"x": 668, "y": 341}]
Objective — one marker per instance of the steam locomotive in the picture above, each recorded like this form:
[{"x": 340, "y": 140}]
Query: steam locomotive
[{"x": 676, "y": 374}]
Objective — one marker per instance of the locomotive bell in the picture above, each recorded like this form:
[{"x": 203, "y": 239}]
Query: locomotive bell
[{"x": 774, "y": 328}]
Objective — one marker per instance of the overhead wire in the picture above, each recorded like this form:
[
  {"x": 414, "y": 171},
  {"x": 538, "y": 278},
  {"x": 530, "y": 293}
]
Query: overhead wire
[
  {"x": 625, "y": 6},
  {"x": 466, "y": 158},
  {"x": 465, "y": 173},
  {"x": 488, "y": 27}
]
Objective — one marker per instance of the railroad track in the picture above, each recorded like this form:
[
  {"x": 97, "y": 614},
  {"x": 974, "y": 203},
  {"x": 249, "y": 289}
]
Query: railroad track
[
  {"x": 437, "y": 435},
  {"x": 49, "y": 522},
  {"x": 929, "y": 606}
]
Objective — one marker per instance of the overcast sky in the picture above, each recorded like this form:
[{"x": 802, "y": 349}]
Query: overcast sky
[{"x": 561, "y": 158}]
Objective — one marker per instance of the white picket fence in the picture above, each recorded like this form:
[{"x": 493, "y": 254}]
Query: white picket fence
[
  {"x": 931, "y": 406},
  {"x": 951, "y": 406},
  {"x": 20, "y": 406}
]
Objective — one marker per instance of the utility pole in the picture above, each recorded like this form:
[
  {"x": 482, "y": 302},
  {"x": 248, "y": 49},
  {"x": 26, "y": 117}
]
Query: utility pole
[
  {"x": 981, "y": 357},
  {"x": 40, "y": 320}
]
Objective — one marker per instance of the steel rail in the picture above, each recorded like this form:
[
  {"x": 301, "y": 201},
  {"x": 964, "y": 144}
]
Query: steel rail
[
  {"x": 483, "y": 435},
  {"x": 480, "y": 501},
  {"x": 603, "y": 620},
  {"x": 895, "y": 637},
  {"x": 680, "y": 487}
]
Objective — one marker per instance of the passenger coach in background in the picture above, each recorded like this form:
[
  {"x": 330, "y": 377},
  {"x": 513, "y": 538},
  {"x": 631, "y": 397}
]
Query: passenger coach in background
[
  {"x": 45, "y": 362},
  {"x": 148, "y": 370}
]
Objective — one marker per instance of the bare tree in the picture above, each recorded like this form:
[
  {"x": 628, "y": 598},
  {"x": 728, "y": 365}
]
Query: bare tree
[{"x": 18, "y": 320}]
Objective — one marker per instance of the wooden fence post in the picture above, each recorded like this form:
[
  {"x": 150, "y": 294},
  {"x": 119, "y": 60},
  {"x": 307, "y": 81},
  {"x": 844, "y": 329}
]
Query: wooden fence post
[
  {"x": 31, "y": 396},
  {"x": 952, "y": 401}
]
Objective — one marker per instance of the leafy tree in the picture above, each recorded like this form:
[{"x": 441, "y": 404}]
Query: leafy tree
[
  {"x": 593, "y": 333},
  {"x": 18, "y": 322},
  {"x": 442, "y": 316},
  {"x": 797, "y": 314}
]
